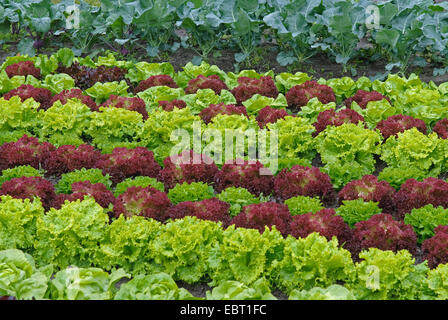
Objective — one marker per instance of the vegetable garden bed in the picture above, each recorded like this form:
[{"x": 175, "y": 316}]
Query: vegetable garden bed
[{"x": 351, "y": 203}]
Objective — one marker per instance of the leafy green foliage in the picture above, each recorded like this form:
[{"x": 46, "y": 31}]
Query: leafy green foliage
[
  {"x": 303, "y": 204},
  {"x": 312, "y": 262},
  {"x": 17, "y": 116},
  {"x": 93, "y": 175},
  {"x": 19, "y": 276},
  {"x": 244, "y": 255},
  {"x": 70, "y": 236},
  {"x": 158, "y": 286},
  {"x": 100, "y": 92},
  {"x": 388, "y": 275},
  {"x": 425, "y": 219},
  {"x": 438, "y": 281},
  {"x": 413, "y": 149},
  {"x": 141, "y": 181},
  {"x": 237, "y": 198},
  {"x": 194, "y": 191},
  {"x": 347, "y": 152},
  {"x": 19, "y": 171},
  {"x": 353, "y": 211},
  {"x": 18, "y": 219},
  {"x": 333, "y": 292},
  {"x": 76, "y": 283},
  {"x": 234, "y": 290}
]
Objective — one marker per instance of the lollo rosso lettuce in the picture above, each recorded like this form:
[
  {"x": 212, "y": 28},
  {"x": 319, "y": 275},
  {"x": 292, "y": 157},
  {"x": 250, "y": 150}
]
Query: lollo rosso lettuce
[
  {"x": 74, "y": 93},
  {"x": 202, "y": 82},
  {"x": 247, "y": 87},
  {"x": 140, "y": 181},
  {"x": 28, "y": 188},
  {"x": 170, "y": 105},
  {"x": 188, "y": 167},
  {"x": 102, "y": 195},
  {"x": 139, "y": 201},
  {"x": 441, "y": 128},
  {"x": 399, "y": 123},
  {"x": 26, "y": 91},
  {"x": 132, "y": 104},
  {"x": 435, "y": 249},
  {"x": 155, "y": 81},
  {"x": 332, "y": 118},
  {"x": 299, "y": 95},
  {"x": 270, "y": 115},
  {"x": 264, "y": 215},
  {"x": 20, "y": 171},
  {"x": 23, "y": 68},
  {"x": 362, "y": 98},
  {"x": 211, "y": 209},
  {"x": 124, "y": 163},
  {"x": 214, "y": 109}
]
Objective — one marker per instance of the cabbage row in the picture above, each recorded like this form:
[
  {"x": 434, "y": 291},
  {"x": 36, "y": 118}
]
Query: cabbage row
[{"x": 88, "y": 178}]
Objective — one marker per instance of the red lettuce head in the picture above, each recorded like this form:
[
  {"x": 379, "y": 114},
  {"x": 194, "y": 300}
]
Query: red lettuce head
[
  {"x": 414, "y": 194},
  {"x": 60, "y": 199},
  {"x": 131, "y": 104},
  {"x": 70, "y": 158},
  {"x": 441, "y": 128},
  {"x": 299, "y": 95},
  {"x": 362, "y": 98},
  {"x": 29, "y": 187},
  {"x": 154, "y": 81},
  {"x": 26, "y": 91},
  {"x": 77, "y": 93},
  {"x": 188, "y": 167},
  {"x": 213, "y": 110},
  {"x": 23, "y": 68},
  {"x": 399, "y": 123},
  {"x": 325, "y": 222},
  {"x": 370, "y": 189},
  {"x": 103, "y": 196},
  {"x": 261, "y": 215},
  {"x": 241, "y": 173},
  {"x": 303, "y": 181},
  {"x": 124, "y": 163},
  {"x": 248, "y": 87},
  {"x": 435, "y": 249},
  {"x": 202, "y": 82},
  {"x": 332, "y": 118},
  {"x": 139, "y": 201},
  {"x": 270, "y": 115},
  {"x": 383, "y": 232},
  {"x": 25, "y": 151},
  {"x": 170, "y": 105},
  {"x": 210, "y": 209}
]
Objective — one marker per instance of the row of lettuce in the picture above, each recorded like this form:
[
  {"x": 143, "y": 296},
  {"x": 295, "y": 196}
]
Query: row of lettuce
[
  {"x": 75, "y": 253},
  {"x": 130, "y": 105},
  {"x": 401, "y": 33},
  {"x": 130, "y": 182}
]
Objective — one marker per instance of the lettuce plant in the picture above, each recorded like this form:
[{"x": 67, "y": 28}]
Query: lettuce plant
[
  {"x": 435, "y": 249},
  {"x": 65, "y": 124},
  {"x": 123, "y": 163},
  {"x": 132, "y": 104},
  {"x": 102, "y": 195},
  {"x": 354, "y": 211},
  {"x": 23, "y": 68},
  {"x": 68, "y": 158},
  {"x": 17, "y": 116},
  {"x": 188, "y": 167},
  {"x": 139, "y": 201},
  {"x": 25, "y": 151},
  {"x": 303, "y": 181},
  {"x": 262, "y": 215},
  {"x": 202, "y": 82},
  {"x": 416, "y": 194},
  {"x": 299, "y": 95},
  {"x": 158, "y": 286},
  {"x": 270, "y": 115},
  {"x": 26, "y": 91},
  {"x": 194, "y": 191},
  {"x": 154, "y": 81},
  {"x": 333, "y": 292},
  {"x": 75, "y": 93},
  {"x": 383, "y": 232},
  {"x": 437, "y": 282},
  {"x": 311, "y": 262},
  {"x": 441, "y": 128},
  {"x": 214, "y": 109},
  {"x": 347, "y": 152},
  {"x": 20, "y": 171},
  {"x": 332, "y": 118},
  {"x": 71, "y": 235},
  {"x": 385, "y": 275},
  {"x": 140, "y": 181},
  {"x": 399, "y": 123},
  {"x": 238, "y": 198},
  {"x": 234, "y": 290},
  {"x": 325, "y": 222},
  {"x": 362, "y": 98},
  {"x": 18, "y": 222},
  {"x": 127, "y": 243},
  {"x": 303, "y": 204},
  {"x": 184, "y": 246},
  {"x": 369, "y": 188},
  {"x": 170, "y": 105},
  {"x": 211, "y": 209},
  {"x": 28, "y": 188},
  {"x": 412, "y": 148},
  {"x": 425, "y": 219},
  {"x": 247, "y": 87},
  {"x": 93, "y": 175}
]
